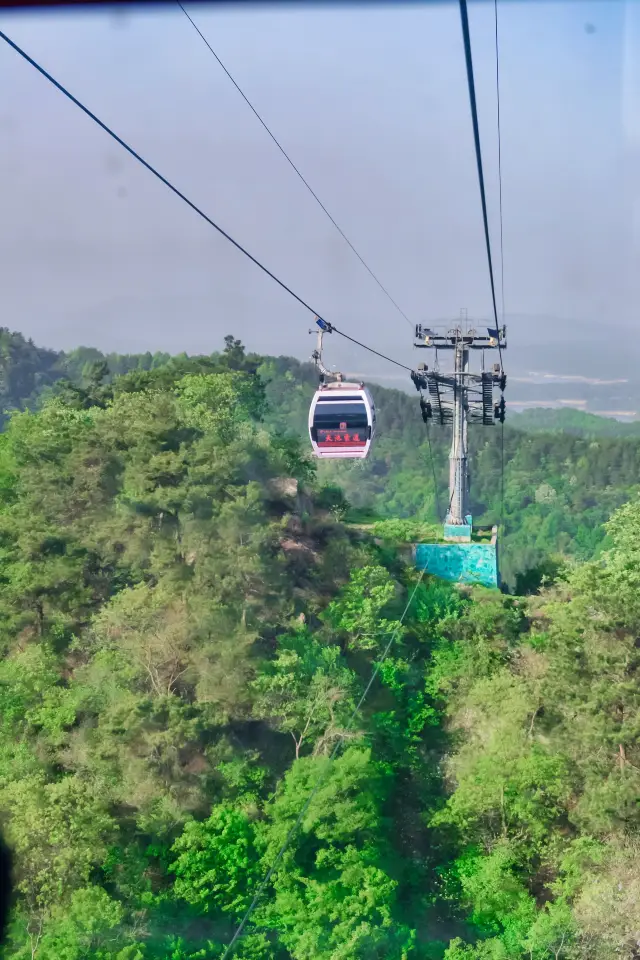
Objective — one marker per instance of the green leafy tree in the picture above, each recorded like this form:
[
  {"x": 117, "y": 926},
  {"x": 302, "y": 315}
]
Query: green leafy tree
[
  {"x": 332, "y": 895},
  {"x": 58, "y": 832},
  {"x": 307, "y": 690},
  {"x": 357, "y": 613},
  {"x": 217, "y": 867},
  {"x": 91, "y": 925}
]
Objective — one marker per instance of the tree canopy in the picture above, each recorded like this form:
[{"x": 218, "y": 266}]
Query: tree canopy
[{"x": 189, "y": 621}]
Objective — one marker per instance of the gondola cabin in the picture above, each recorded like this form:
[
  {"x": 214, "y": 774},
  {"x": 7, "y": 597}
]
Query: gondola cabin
[{"x": 342, "y": 421}]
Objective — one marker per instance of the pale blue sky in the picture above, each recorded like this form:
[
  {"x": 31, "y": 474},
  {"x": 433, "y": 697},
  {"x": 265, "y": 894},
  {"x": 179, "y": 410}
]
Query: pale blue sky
[{"x": 371, "y": 103}]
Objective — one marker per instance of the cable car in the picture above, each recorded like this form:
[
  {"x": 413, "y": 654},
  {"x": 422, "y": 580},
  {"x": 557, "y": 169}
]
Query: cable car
[{"x": 342, "y": 421}]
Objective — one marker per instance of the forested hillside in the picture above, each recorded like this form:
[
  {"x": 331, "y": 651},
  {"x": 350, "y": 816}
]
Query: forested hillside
[
  {"x": 187, "y": 628},
  {"x": 565, "y": 471}
]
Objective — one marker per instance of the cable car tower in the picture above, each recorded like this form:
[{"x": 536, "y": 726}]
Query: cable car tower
[{"x": 459, "y": 396}]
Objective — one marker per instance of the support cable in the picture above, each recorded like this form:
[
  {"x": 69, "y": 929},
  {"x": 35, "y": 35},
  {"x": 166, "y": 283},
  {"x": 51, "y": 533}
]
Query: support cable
[
  {"x": 370, "y": 349},
  {"x": 293, "y": 165},
  {"x": 499, "y": 159},
  {"x": 502, "y": 524},
  {"x": 433, "y": 471},
  {"x": 476, "y": 136},
  {"x": 495, "y": 10},
  {"x": 178, "y": 193},
  {"x": 322, "y": 779}
]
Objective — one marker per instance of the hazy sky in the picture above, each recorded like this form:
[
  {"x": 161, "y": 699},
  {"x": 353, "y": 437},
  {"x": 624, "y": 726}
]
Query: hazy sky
[{"x": 372, "y": 105}]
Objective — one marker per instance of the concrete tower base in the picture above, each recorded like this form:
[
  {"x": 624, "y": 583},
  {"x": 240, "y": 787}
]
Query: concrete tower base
[{"x": 461, "y": 562}]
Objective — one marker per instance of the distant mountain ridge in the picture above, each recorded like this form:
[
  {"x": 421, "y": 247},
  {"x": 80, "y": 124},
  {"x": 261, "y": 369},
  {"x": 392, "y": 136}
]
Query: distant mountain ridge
[{"x": 580, "y": 423}]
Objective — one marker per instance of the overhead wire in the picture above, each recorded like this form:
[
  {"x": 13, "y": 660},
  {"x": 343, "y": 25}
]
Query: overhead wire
[
  {"x": 464, "y": 18},
  {"x": 178, "y": 193},
  {"x": 502, "y": 523},
  {"x": 370, "y": 349},
  {"x": 495, "y": 10},
  {"x": 293, "y": 165},
  {"x": 322, "y": 778},
  {"x": 433, "y": 471}
]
